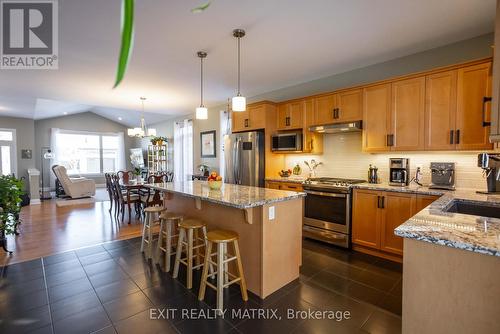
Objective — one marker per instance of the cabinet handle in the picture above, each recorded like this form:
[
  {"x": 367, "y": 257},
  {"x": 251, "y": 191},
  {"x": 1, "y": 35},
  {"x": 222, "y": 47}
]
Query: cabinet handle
[
  {"x": 246, "y": 122},
  {"x": 383, "y": 202},
  {"x": 486, "y": 99},
  {"x": 334, "y": 113},
  {"x": 378, "y": 202},
  {"x": 451, "y": 136},
  {"x": 390, "y": 140},
  {"x": 457, "y": 140},
  {"x": 338, "y": 113}
]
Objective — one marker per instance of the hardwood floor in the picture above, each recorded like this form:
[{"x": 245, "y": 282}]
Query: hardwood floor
[{"x": 47, "y": 229}]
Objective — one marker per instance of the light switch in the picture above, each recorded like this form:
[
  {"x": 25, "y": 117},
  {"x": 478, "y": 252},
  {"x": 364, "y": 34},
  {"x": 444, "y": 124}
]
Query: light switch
[{"x": 271, "y": 213}]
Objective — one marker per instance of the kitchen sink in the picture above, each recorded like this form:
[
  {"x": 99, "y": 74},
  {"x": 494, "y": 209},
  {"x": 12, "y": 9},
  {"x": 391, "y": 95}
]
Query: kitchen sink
[{"x": 474, "y": 208}]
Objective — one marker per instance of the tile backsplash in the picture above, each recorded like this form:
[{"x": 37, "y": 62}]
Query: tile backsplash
[{"x": 342, "y": 157}]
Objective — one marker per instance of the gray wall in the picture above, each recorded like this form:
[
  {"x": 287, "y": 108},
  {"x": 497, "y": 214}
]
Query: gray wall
[
  {"x": 475, "y": 48},
  {"x": 25, "y": 133},
  {"x": 86, "y": 121}
]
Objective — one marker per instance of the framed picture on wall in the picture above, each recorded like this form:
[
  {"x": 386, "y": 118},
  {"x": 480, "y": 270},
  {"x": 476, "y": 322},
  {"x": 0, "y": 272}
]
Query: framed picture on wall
[{"x": 207, "y": 139}]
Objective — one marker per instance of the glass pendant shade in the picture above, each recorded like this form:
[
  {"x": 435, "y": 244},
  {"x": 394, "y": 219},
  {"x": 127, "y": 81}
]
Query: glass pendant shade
[
  {"x": 201, "y": 113},
  {"x": 239, "y": 103}
]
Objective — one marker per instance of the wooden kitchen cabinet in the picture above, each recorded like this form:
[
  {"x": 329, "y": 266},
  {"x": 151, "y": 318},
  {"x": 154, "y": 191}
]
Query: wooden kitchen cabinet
[
  {"x": 375, "y": 215},
  {"x": 440, "y": 110},
  {"x": 422, "y": 201},
  {"x": 290, "y": 115},
  {"x": 344, "y": 106},
  {"x": 255, "y": 117},
  {"x": 241, "y": 121},
  {"x": 350, "y": 105},
  {"x": 366, "y": 218},
  {"x": 474, "y": 84},
  {"x": 407, "y": 115},
  {"x": 324, "y": 109},
  {"x": 396, "y": 209},
  {"x": 290, "y": 186},
  {"x": 376, "y": 117}
]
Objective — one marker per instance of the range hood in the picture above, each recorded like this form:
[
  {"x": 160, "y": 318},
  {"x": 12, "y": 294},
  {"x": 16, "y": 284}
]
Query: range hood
[{"x": 338, "y": 127}]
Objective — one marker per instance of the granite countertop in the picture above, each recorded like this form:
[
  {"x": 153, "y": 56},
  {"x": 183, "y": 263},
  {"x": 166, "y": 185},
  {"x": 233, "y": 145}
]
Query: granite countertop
[
  {"x": 463, "y": 231},
  {"x": 412, "y": 188},
  {"x": 290, "y": 179},
  {"x": 241, "y": 197}
]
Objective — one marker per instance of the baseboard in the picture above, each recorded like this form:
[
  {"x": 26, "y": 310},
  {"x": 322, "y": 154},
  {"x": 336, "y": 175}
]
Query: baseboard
[
  {"x": 35, "y": 201},
  {"x": 103, "y": 185}
]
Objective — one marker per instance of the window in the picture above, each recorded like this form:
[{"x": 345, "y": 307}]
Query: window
[
  {"x": 7, "y": 151},
  {"x": 88, "y": 153},
  {"x": 183, "y": 150}
]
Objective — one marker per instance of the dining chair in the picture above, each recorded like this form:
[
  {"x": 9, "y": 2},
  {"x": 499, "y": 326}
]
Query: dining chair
[
  {"x": 109, "y": 188},
  {"x": 125, "y": 175},
  {"x": 153, "y": 197},
  {"x": 126, "y": 198}
]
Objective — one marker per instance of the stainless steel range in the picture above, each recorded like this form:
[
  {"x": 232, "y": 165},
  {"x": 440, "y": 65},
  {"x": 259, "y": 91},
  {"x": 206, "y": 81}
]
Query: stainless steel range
[{"x": 327, "y": 212}]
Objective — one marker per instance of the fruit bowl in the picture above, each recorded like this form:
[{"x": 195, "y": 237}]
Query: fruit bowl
[{"x": 214, "y": 185}]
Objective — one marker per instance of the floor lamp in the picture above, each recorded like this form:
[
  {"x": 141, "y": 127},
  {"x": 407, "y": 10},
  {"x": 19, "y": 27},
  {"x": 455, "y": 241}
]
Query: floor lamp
[{"x": 46, "y": 155}]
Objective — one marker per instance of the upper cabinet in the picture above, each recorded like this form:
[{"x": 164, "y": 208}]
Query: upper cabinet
[
  {"x": 344, "y": 106},
  {"x": 407, "y": 115},
  {"x": 376, "y": 117},
  {"x": 290, "y": 115},
  {"x": 474, "y": 85},
  {"x": 440, "y": 110},
  {"x": 444, "y": 110},
  {"x": 350, "y": 105},
  {"x": 257, "y": 116}
]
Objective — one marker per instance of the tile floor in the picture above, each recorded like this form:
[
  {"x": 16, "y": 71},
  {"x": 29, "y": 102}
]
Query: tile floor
[{"x": 110, "y": 288}]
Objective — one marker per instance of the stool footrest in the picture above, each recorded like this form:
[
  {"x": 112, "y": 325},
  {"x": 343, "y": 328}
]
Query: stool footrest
[{"x": 232, "y": 282}]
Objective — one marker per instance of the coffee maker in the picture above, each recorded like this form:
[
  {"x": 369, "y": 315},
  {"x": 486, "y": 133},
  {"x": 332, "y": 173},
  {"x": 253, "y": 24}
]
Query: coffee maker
[
  {"x": 399, "y": 171},
  {"x": 490, "y": 163},
  {"x": 442, "y": 175}
]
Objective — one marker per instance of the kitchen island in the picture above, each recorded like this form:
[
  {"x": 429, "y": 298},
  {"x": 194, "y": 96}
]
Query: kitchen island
[
  {"x": 268, "y": 221},
  {"x": 451, "y": 266}
]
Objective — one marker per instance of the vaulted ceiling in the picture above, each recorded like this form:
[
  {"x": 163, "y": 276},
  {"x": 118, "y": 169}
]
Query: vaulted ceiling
[{"x": 288, "y": 42}]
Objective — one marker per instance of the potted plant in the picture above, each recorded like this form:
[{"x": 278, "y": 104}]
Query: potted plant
[{"x": 11, "y": 192}]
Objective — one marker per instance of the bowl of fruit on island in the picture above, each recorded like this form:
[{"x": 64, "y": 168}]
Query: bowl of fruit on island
[{"x": 214, "y": 181}]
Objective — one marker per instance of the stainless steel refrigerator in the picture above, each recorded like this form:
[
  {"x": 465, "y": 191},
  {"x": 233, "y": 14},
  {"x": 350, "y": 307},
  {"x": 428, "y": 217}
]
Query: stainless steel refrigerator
[{"x": 244, "y": 158}]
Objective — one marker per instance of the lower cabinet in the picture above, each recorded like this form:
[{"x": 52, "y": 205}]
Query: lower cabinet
[
  {"x": 375, "y": 215},
  {"x": 290, "y": 186}
]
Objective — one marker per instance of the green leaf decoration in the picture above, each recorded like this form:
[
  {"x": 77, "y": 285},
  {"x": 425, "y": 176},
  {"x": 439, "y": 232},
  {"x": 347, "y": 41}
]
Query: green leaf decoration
[
  {"x": 201, "y": 8},
  {"x": 127, "y": 39}
]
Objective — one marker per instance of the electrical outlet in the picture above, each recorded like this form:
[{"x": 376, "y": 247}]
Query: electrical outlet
[{"x": 272, "y": 213}]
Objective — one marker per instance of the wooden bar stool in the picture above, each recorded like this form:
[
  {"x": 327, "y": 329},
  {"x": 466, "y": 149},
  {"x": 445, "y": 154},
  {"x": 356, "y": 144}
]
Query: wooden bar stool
[
  {"x": 167, "y": 222},
  {"x": 222, "y": 238},
  {"x": 188, "y": 236},
  {"x": 147, "y": 228}
]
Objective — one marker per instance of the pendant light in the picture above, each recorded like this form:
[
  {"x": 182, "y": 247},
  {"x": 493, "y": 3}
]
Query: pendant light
[
  {"x": 201, "y": 111},
  {"x": 239, "y": 103},
  {"x": 143, "y": 131}
]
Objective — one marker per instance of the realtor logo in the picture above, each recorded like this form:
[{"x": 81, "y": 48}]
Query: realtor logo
[{"x": 29, "y": 33}]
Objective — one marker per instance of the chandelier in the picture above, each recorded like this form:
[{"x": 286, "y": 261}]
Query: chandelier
[{"x": 143, "y": 131}]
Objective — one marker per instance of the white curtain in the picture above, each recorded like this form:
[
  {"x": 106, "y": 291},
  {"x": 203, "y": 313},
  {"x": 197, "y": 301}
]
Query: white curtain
[
  {"x": 225, "y": 129},
  {"x": 53, "y": 147},
  {"x": 121, "y": 152},
  {"x": 183, "y": 150}
]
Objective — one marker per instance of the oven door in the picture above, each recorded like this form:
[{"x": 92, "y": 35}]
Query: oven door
[{"x": 328, "y": 211}]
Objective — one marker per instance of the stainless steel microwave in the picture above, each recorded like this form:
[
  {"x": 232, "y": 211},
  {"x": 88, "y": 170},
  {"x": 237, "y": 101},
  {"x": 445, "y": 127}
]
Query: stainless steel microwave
[{"x": 289, "y": 141}]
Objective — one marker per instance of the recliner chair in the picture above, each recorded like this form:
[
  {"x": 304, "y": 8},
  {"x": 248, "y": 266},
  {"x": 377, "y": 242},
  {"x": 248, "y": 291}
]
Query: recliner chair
[{"x": 74, "y": 187}]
